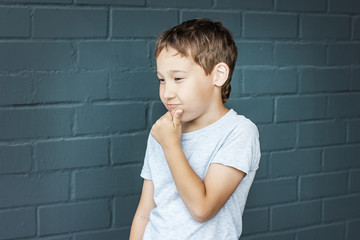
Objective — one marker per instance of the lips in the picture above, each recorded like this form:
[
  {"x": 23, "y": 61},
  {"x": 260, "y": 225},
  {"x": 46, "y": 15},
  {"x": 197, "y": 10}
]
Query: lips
[{"x": 172, "y": 106}]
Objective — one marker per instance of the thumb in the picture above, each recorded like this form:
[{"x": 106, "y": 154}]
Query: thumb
[{"x": 177, "y": 117}]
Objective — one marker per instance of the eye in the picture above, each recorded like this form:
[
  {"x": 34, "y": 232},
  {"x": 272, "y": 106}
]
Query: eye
[
  {"x": 161, "y": 80},
  {"x": 178, "y": 79}
]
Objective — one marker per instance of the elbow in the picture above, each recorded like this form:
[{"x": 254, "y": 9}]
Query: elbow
[
  {"x": 201, "y": 219},
  {"x": 201, "y": 215}
]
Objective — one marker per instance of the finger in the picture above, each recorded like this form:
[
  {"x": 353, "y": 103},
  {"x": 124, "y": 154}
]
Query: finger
[
  {"x": 168, "y": 115},
  {"x": 177, "y": 117}
]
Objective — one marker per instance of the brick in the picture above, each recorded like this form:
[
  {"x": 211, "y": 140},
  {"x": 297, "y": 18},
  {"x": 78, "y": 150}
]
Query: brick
[
  {"x": 269, "y": 81},
  {"x": 344, "y": 6},
  {"x": 134, "y": 85},
  {"x": 271, "y": 236},
  {"x": 74, "y": 217},
  {"x": 294, "y": 163},
  {"x": 324, "y": 80},
  {"x": 17, "y": 190},
  {"x": 255, "y": 221},
  {"x": 107, "y": 234},
  {"x": 111, "y": 118},
  {"x": 354, "y": 230},
  {"x": 107, "y": 182},
  {"x": 19, "y": 19},
  {"x": 39, "y": 1},
  {"x": 259, "y": 110},
  {"x": 343, "y": 105},
  {"x": 157, "y": 110},
  {"x": 285, "y": 136},
  {"x": 180, "y": 4},
  {"x": 272, "y": 192},
  {"x": 321, "y": 134},
  {"x": 297, "y": 108},
  {"x": 356, "y": 27},
  {"x": 301, "y": 5},
  {"x": 152, "y": 44},
  {"x": 323, "y": 185},
  {"x": 125, "y": 209},
  {"x": 142, "y": 23},
  {"x": 35, "y": 123},
  {"x": 54, "y": 238},
  {"x": 341, "y": 208},
  {"x": 16, "y": 90},
  {"x": 113, "y": 2},
  {"x": 115, "y": 54},
  {"x": 262, "y": 171},
  {"x": 294, "y": 54},
  {"x": 231, "y": 21},
  {"x": 35, "y": 55},
  {"x": 354, "y": 131},
  {"x": 52, "y": 87},
  {"x": 355, "y": 181},
  {"x": 341, "y": 158},
  {"x": 344, "y": 53},
  {"x": 15, "y": 159},
  {"x": 70, "y": 86},
  {"x": 70, "y": 23},
  {"x": 324, "y": 27},
  {"x": 236, "y": 85},
  {"x": 17, "y": 223},
  {"x": 265, "y": 25},
  {"x": 355, "y": 80},
  {"x": 245, "y": 4},
  {"x": 296, "y": 215},
  {"x": 333, "y": 232},
  {"x": 259, "y": 53},
  {"x": 71, "y": 153},
  {"x": 127, "y": 149}
]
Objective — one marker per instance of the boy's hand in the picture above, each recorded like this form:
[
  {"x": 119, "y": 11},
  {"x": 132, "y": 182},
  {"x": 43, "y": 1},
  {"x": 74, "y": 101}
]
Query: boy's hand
[{"x": 167, "y": 129}]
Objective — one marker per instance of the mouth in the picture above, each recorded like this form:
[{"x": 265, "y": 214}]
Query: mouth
[{"x": 172, "y": 106}]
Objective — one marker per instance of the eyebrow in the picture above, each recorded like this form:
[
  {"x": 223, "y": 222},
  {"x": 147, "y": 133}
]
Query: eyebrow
[{"x": 172, "y": 72}]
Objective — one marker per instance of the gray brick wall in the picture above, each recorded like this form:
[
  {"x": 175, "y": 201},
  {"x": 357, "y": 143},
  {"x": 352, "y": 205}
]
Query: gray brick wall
[{"x": 78, "y": 95}]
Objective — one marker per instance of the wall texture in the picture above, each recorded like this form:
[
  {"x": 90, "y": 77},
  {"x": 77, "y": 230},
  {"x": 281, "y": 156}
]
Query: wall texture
[{"x": 78, "y": 95}]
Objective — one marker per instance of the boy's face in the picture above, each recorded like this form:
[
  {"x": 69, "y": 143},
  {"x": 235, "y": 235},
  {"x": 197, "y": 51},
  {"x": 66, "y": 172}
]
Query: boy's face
[{"x": 185, "y": 85}]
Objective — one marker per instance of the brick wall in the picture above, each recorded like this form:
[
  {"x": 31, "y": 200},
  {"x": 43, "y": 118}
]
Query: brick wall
[{"x": 78, "y": 95}]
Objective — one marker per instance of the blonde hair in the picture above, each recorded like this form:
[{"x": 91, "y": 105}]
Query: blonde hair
[{"x": 207, "y": 42}]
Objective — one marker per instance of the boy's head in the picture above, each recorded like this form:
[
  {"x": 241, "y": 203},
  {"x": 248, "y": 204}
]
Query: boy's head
[{"x": 207, "y": 43}]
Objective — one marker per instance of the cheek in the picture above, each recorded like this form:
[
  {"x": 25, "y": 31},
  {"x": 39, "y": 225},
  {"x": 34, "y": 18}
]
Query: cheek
[
  {"x": 193, "y": 95},
  {"x": 161, "y": 95}
]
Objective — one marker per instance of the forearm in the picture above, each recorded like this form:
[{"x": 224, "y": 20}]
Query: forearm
[
  {"x": 190, "y": 186},
  {"x": 142, "y": 214},
  {"x": 138, "y": 227}
]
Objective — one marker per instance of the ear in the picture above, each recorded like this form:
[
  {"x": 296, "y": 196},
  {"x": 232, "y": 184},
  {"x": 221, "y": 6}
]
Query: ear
[{"x": 220, "y": 74}]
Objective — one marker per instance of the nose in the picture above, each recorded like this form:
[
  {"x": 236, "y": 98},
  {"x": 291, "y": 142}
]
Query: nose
[{"x": 168, "y": 91}]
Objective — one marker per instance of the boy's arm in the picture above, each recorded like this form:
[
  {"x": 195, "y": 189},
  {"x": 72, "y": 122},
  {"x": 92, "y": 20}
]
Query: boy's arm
[
  {"x": 205, "y": 198},
  {"x": 141, "y": 217}
]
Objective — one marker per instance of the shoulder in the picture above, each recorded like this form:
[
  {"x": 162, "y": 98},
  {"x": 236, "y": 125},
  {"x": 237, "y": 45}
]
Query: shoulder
[
  {"x": 240, "y": 148},
  {"x": 243, "y": 126}
]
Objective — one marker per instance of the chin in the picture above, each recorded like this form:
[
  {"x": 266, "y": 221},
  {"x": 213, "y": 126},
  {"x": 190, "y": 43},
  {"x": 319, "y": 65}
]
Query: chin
[{"x": 186, "y": 118}]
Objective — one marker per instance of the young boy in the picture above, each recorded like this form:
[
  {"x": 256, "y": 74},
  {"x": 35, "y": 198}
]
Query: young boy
[{"x": 201, "y": 157}]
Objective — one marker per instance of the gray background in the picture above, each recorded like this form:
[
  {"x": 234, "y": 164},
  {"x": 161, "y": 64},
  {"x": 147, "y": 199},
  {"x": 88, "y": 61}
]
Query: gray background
[{"x": 78, "y": 95}]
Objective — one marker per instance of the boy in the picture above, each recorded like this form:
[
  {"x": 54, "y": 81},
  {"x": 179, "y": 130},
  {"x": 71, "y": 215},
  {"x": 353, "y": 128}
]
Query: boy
[{"x": 201, "y": 157}]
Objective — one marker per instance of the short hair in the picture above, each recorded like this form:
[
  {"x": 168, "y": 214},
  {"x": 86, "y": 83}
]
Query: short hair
[{"x": 207, "y": 42}]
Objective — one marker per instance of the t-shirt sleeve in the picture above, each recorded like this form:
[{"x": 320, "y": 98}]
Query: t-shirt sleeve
[
  {"x": 241, "y": 149},
  {"x": 145, "y": 172}
]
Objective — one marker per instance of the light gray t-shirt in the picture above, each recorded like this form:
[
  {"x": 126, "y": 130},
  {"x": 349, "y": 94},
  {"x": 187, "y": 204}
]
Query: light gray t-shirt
[{"x": 233, "y": 141}]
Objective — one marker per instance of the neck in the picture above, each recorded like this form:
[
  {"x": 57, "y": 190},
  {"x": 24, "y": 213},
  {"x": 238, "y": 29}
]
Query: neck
[{"x": 205, "y": 121}]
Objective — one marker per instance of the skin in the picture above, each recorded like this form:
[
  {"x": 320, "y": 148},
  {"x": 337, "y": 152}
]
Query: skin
[{"x": 193, "y": 100}]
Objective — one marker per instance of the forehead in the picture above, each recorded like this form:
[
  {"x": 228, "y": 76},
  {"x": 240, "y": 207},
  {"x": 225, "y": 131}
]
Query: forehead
[{"x": 170, "y": 59}]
